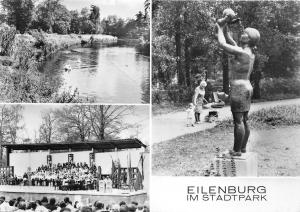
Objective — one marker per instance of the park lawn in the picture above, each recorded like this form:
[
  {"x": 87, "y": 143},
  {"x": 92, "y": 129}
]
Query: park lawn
[
  {"x": 188, "y": 154},
  {"x": 274, "y": 137}
]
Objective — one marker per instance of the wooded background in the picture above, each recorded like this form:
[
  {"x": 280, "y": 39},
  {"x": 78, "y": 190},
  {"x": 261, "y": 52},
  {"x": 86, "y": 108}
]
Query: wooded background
[{"x": 184, "y": 44}]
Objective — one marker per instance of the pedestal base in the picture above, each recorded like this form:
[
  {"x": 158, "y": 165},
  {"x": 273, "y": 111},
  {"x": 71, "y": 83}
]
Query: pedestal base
[{"x": 243, "y": 166}]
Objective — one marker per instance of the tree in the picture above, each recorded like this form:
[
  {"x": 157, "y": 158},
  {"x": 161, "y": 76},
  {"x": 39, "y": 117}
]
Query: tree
[
  {"x": 45, "y": 15},
  {"x": 19, "y": 13},
  {"x": 72, "y": 122},
  {"x": 10, "y": 117},
  {"x": 75, "y": 22},
  {"x": 147, "y": 6},
  {"x": 86, "y": 25},
  {"x": 184, "y": 37},
  {"x": 52, "y": 16},
  {"x": 48, "y": 129},
  {"x": 139, "y": 19},
  {"x": 107, "y": 121},
  {"x": 95, "y": 17},
  {"x": 85, "y": 13},
  {"x": 183, "y": 23},
  {"x": 113, "y": 25},
  {"x": 62, "y": 20}
]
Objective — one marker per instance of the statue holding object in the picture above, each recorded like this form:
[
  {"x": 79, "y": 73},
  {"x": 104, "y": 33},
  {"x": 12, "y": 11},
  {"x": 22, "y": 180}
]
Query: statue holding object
[{"x": 241, "y": 68}]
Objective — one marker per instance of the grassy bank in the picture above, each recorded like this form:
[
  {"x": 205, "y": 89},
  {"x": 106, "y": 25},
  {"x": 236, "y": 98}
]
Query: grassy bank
[
  {"x": 50, "y": 43},
  {"x": 274, "y": 137},
  {"x": 20, "y": 80},
  {"x": 269, "y": 118}
]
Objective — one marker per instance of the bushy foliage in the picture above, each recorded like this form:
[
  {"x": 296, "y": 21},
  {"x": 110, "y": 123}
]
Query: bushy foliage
[
  {"x": 173, "y": 94},
  {"x": 61, "y": 27},
  {"x": 75, "y": 22},
  {"x": 22, "y": 82},
  {"x": 52, "y": 16},
  {"x": 19, "y": 13},
  {"x": 285, "y": 115},
  {"x": 87, "y": 27},
  {"x": 131, "y": 28},
  {"x": 280, "y": 88},
  {"x": 184, "y": 37},
  {"x": 279, "y": 115},
  {"x": 87, "y": 22},
  {"x": 7, "y": 38}
]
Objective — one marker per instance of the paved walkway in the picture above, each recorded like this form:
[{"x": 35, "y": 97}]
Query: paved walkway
[{"x": 172, "y": 125}]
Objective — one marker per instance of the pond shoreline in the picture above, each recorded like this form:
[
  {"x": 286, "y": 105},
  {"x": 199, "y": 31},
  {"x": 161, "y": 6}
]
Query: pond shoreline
[
  {"x": 44, "y": 44},
  {"x": 93, "y": 65},
  {"x": 21, "y": 80}
]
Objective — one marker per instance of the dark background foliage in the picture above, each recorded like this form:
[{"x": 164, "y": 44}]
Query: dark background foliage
[{"x": 184, "y": 44}]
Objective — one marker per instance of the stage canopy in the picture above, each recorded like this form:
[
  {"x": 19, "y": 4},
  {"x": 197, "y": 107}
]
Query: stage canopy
[{"x": 101, "y": 145}]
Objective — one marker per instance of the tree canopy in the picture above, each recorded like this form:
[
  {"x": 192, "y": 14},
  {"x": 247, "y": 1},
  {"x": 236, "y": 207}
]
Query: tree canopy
[
  {"x": 83, "y": 123},
  {"x": 184, "y": 41},
  {"x": 53, "y": 17},
  {"x": 19, "y": 13}
]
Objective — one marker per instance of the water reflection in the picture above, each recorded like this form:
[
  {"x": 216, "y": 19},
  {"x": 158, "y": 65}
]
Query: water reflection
[{"x": 107, "y": 73}]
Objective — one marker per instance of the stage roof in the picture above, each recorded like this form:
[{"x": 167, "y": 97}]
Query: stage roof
[{"x": 101, "y": 145}]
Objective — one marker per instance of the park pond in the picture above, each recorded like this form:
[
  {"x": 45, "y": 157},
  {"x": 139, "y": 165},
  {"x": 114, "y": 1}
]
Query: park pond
[{"x": 103, "y": 73}]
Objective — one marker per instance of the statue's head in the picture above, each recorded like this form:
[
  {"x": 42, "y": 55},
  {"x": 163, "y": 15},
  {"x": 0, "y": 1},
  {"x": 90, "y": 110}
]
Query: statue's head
[{"x": 250, "y": 36}]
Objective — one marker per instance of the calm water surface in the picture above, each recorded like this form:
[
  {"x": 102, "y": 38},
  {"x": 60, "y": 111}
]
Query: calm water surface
[{"x": 105, "y": 73}]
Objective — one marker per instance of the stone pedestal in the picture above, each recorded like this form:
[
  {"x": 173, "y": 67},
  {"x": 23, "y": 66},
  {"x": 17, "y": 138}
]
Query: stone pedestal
[{"x": 243, "y": 166}]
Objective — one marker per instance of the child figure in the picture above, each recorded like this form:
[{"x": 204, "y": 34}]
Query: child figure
[
  {"x": 198, "y": 98},
  {"x": 190, "y": 113}
]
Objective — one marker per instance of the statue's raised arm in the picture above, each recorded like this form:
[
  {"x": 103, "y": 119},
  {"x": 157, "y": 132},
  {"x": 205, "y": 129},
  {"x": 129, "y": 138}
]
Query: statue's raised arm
[
  {"x": 240, "y": 69},
  {"x": 233, "y": 49}
]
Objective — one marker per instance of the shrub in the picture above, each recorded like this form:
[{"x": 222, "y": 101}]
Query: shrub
[
  {"x": 157, "y": 96},
  {"x": 7, "y": 37},
  {"x": 279, "y": 115},
  {"x": 179, "y": 94},
  {"x": 67, "y": 96},
  {"x": 143, "y": 48},
  {"x": 39, "y": 37},
  {"x": 61, "y": 27},
  {"x": 277, "y": 88}
]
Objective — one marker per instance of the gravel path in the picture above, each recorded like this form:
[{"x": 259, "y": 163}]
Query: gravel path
[{"x": 172, "y": 125}]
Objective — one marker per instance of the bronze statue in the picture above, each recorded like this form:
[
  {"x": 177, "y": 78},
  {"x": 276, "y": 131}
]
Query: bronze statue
[{"x": 240, "y": 86}]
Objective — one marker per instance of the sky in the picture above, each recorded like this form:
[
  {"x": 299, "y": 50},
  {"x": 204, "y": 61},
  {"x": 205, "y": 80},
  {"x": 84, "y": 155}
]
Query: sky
[
  {"x": 121, "y": 8},
  {"x": 32, "y": 119}
]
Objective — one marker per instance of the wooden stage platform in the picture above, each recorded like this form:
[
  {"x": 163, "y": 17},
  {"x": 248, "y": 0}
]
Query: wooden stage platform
[{"x": 32, "y": 193}]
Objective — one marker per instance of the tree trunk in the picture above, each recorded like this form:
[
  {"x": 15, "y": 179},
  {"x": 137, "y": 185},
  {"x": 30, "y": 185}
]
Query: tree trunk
[
  {"x": 180, "y": 74},
  {"x": 1, "y": 154},
  {"x": 102, "y": 126},
  {"x": 187, "y": 54},
  {"x": 225, "y": 73},
  {"x": 1, "y": 148},
  {"x": 256, "y": 90},
  {"x": 255, "y": 81},
  {"x": 187, "y": 62}
]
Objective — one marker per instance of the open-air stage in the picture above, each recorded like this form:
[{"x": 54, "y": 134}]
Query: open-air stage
[{"x": 32, "y": 193}]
